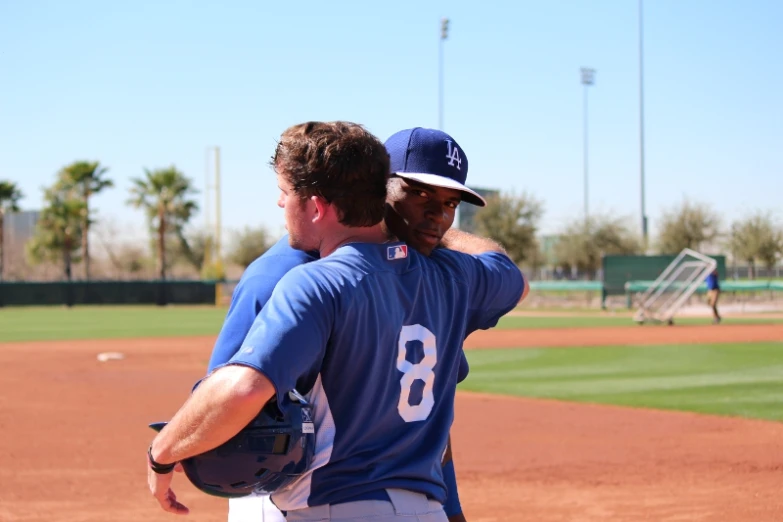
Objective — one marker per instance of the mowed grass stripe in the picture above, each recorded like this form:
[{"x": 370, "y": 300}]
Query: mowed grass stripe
[
  {"x": 725, "y": 379},
  {"x": 516, "y": 322},
  {"x": 107, "y": 322}
]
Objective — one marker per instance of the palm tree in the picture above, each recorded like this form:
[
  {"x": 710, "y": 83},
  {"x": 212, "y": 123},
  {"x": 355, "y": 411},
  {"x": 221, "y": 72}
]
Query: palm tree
[
  {"x": 9, "y": 202},
  {"x": 59, "y": 229},
  {"x": 86, "y": 178},
  {"x": 163, "y": 194}
]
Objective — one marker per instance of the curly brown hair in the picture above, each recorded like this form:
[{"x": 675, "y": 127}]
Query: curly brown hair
[{"x": 339, "y": 161}]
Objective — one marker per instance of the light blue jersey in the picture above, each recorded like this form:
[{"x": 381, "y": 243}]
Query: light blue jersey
[{"x": 373, "y": 335}]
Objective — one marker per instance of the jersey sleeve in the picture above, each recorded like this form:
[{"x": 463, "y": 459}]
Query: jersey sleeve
[
  {"x": 248, "y": 299},
  {"x": 251, "y": 294},
  {"x": 495, "y": 285},
  {"x": 288, "y": 339}
]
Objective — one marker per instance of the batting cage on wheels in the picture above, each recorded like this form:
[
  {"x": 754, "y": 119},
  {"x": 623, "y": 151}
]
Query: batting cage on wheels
[{"x": 660, "y": 302}]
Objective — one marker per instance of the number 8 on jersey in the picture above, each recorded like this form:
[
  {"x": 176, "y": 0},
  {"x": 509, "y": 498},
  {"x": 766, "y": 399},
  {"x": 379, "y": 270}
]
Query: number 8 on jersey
[{"x": 420, "y": 371}]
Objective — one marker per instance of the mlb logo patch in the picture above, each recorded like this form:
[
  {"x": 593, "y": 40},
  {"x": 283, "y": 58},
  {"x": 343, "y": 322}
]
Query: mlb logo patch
[
  {"x": 397, "y": 252},
  {"x": 307, "y": 421}
]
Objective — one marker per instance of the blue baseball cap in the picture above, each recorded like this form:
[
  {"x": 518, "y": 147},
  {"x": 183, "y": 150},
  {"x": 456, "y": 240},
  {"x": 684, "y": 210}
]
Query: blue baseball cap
[{"x": 431, "y": 157}]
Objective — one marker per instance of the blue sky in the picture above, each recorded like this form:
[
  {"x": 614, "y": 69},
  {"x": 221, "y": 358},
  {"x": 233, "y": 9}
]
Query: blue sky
[{"x": 149, "y": 84}]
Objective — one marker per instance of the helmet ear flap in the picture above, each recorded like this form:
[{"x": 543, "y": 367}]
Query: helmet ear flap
[{"x": 272, "y": 451}]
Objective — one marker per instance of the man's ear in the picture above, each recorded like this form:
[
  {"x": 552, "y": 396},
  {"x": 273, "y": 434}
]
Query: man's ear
[{"x": 321, "y": 208}]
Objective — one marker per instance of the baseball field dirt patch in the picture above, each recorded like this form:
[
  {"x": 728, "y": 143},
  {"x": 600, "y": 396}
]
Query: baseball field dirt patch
[{"x": 75, "y": 435}]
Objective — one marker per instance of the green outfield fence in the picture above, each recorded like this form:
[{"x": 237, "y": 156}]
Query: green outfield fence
[
  {"x": 634, "y": 287},
  {"x": 643, "y": 286},
  {"x": 213, "y": 292},
  {"x": 107, "y": 293},
  {"x": 737, "y": 287},
  {"x": 725, "y": 286},
  {"x": 567, "y": 286}
]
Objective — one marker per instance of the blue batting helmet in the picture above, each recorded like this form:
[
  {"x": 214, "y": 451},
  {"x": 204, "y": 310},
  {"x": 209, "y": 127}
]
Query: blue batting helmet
[{"x": 271, "y": 452}]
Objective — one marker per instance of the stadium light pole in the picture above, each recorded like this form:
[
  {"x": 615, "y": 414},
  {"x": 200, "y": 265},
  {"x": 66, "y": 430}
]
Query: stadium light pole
[
  {"x": 444, "y": 33},
  {"x": 588, "y": 78},
  {"x": 641, "y": 127},
  {"x": 207, "y": 218},
  {"x": 218, "y": 216},
  {"x": 212, "y": 252}
]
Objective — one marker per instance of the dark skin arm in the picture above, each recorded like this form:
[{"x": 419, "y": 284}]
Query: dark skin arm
[{"x": 472, "y": 244}]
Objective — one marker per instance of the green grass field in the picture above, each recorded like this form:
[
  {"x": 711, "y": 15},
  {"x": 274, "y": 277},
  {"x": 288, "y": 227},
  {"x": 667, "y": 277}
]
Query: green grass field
[
  {"x": 604, "y": 321},
  {"x": 726, "y": 379},
  {"x": 107, "y": 322},
  {"x": 113, "y": 322}
]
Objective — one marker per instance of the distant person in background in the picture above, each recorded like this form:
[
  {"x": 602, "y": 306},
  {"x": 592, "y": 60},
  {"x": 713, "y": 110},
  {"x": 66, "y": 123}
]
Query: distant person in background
[{"x": 713, "y": 292}]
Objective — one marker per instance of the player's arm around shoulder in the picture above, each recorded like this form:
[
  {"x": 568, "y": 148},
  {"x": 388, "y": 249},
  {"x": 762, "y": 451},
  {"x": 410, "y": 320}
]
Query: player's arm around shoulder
[
  {"x": 461, "y": 241},
  {"x": 491, "y": 267}
]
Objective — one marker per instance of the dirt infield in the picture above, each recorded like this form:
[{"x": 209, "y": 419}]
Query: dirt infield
[{"x": 74, "y": 436}]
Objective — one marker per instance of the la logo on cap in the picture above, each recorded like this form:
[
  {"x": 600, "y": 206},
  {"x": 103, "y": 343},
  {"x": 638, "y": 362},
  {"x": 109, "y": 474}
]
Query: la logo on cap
[
  {"x": 396, "y": 252},
  {"x": 453, "y": 155}
]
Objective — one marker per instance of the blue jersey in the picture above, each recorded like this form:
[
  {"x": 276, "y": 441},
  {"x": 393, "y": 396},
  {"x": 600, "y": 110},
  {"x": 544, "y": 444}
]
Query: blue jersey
[
  {"x": 251, "y": 294},
  {"x": 712, "y": 282},
  {"x": 378, "y": 332},
  {"x": 253, "y": 291}
]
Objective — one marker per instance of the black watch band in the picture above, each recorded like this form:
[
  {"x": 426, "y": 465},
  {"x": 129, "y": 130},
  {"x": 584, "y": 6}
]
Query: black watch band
[{"x": 160, "y": 469}]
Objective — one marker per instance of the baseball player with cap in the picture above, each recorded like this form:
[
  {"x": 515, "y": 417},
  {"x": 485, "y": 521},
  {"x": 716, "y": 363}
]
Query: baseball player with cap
[
  {"x": 421, "y": 203},
  {"x": 382, "y": 415}
]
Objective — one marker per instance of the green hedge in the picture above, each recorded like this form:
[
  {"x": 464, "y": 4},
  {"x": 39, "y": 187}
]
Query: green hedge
[{"x": 106, "y": 292}]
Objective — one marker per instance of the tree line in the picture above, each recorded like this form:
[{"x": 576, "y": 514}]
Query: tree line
[
  {"x": 513, "y": 220},
  {"x": 165, "y": 195}
]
